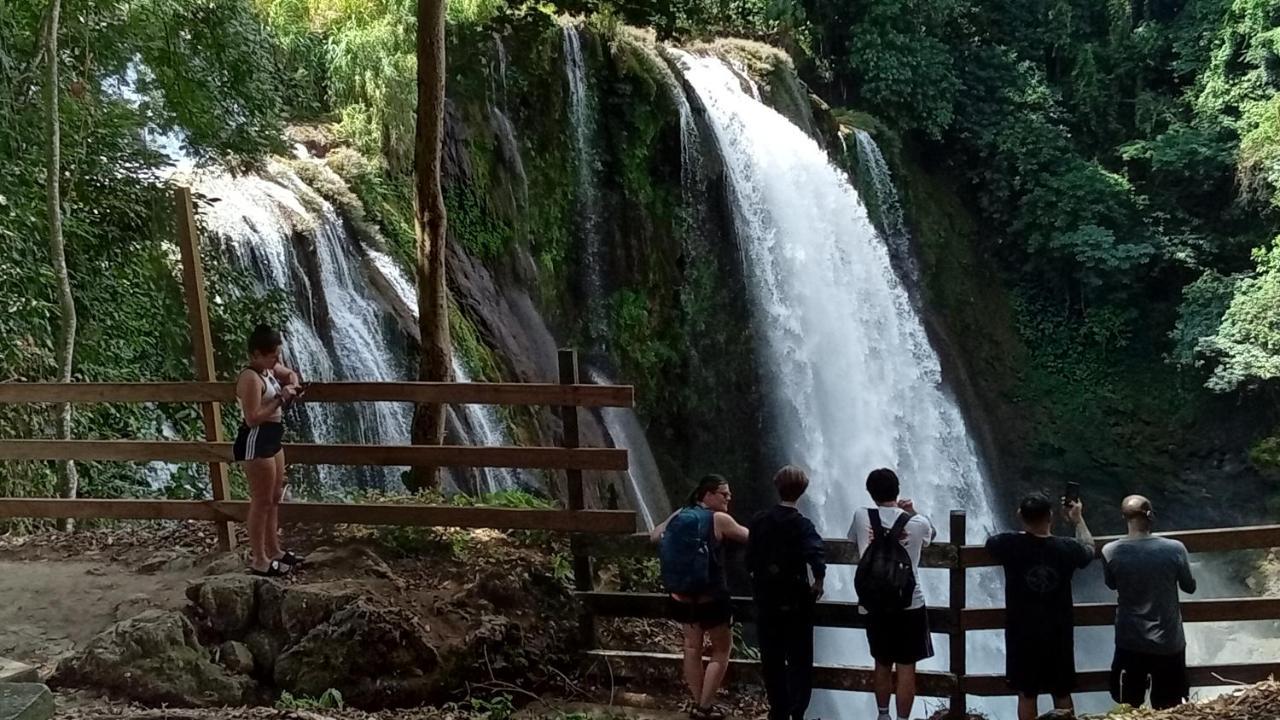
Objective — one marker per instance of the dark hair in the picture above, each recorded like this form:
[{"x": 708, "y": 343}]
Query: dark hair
[
  {"x": 883, "y": 485},
  {"x": 1035, "y": 508},
  {"x": 791, "y": 482},
  {"x": 264, "y": 339},
  {"x": 707, "y": 485}
]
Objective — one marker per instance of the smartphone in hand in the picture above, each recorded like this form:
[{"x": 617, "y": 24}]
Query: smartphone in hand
[{"x": 1071, "y": 494}]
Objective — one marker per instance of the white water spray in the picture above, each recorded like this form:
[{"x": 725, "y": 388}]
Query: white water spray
[{"x": 855, "y": 384}]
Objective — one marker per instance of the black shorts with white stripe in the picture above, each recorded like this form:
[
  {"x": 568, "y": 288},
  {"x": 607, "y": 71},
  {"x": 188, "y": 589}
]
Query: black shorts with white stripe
[{"x": 258, "y": 443}]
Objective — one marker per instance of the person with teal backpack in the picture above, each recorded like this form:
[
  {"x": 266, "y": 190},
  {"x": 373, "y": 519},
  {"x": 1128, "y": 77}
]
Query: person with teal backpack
[{"x": 690, "y": 552}]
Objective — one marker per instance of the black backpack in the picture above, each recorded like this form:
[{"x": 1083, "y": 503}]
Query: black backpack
[{"x": 885, "y": 580}]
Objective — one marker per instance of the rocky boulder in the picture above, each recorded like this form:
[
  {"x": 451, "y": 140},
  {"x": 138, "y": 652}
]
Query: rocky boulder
[
  {"x": 227, "y": 603},
  {"x": 153, "y": 658},
  {"x": 376, "y": 657},
  {"x": 25, "y": 701}
]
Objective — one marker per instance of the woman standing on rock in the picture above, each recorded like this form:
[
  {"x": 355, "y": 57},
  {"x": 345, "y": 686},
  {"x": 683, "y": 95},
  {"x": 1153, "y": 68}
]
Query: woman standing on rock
[{"x": 264, "y": 389}]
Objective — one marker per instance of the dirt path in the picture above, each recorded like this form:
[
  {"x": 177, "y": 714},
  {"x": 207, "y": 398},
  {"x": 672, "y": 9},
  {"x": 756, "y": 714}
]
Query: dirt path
[{"x": 50, "y": 608}]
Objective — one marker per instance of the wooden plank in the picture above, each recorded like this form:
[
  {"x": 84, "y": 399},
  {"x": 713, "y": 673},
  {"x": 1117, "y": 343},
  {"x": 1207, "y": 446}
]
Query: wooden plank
[
  {"x": 551, "y": 394},
  {"x": 1099, "y": 680},
  {"x": 306, "y": 454},
  {"x": 202, "y": 347},
  {"x": 596, "y": 521},
  {"x": 1100, "y": 614},
  {"x": 826, "y": 613},
  {"x": 827, "y": 677},
  {"x": 956, "y": 598},
  {"x": 1251, "y": 537},
  {"x": 839, "y": 552}
]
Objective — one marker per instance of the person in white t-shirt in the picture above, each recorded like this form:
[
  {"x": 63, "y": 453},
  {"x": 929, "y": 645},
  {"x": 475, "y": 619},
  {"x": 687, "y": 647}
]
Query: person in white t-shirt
[{"x": 898, "y": 639}]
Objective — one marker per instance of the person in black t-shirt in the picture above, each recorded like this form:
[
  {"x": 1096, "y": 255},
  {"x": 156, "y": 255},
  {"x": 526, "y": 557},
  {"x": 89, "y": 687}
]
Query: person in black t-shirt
[
  {"x": 782, "y": 549},
  {"x": 1039, "y": 630}
]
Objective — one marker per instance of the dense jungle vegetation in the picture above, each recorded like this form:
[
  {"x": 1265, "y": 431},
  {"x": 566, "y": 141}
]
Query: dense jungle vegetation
[{"x": 1119, "y": 159}]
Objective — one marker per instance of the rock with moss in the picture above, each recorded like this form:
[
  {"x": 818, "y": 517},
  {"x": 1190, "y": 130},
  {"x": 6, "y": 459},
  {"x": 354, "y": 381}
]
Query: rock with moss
[{"x": 154, "y": 658}]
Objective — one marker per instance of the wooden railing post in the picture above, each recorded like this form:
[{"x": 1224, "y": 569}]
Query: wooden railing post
[
  {"x": 202, "y": 348},
  {"x": 582, "y": 580},
  {"x": 958, "y": 668}
]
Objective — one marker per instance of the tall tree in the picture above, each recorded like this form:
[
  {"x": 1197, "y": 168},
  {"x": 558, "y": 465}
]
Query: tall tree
[
  {"x": 429, "y": 225},
  {"x": 57, "y": 249}
]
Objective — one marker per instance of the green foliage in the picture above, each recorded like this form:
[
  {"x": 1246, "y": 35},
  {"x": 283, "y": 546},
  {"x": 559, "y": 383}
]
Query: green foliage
[
  {"x": 1266, "y": 453},
  {"x": 1246, "y": 345},
  {"x": 641, "y": 340},
  {"x": 497, "y": 707},
  {"x": 331, "y": 699}
]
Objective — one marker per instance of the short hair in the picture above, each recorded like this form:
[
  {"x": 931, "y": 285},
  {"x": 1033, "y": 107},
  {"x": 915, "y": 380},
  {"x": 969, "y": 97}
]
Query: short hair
[
  {"x": 791, "y": 482},
  {"x": 264, "y": 339},
  {"x": 882, "y": 483},
  {"x": 1035, "y": 508},
  {"x": 709, "y": 483}
]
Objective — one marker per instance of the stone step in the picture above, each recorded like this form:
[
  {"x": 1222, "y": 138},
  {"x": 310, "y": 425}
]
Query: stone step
[
  {"x": 25, "y": 701},
  {"x": 12, "y": 671}
]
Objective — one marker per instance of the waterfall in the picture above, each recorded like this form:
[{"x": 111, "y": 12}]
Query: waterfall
[
  {"x": 582, "y": 118},
  {"x": 896, "y": 236},
  {"x": 335, "y": 328},
  {"x": 509, "y": 151},
  {"x": 644, "y": 481},
  {"x": 854, "y": 382},
  {"x": 486, "y": 425},
  {"x": 500, "y": 51}
]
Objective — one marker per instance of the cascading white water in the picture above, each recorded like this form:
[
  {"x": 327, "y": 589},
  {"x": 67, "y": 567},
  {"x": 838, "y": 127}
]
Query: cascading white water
[
  {"x": 486, "y": 425},
  {"x": 582, "y": 119},
  {"x": 854, "y": 382},
  {"x": 644, "y": 480},
  {"x": 256, "y": 218},
  {"x": 880, "y": 179}
]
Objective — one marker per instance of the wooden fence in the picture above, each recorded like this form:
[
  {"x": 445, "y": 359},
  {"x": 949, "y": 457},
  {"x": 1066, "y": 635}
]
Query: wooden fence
[{"x": 953, "y": 620}]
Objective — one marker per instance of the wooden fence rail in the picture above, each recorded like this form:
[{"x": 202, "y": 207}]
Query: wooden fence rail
[{"x": 954, "y": 620}]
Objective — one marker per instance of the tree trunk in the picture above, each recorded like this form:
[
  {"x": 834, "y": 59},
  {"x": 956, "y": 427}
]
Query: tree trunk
[
  {"x": 429, "y": 224},
  {"x": 57, "y": 251}
]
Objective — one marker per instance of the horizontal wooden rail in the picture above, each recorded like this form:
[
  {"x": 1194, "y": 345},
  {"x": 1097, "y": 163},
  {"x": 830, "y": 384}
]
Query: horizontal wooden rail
[
  {"x": 1099, "y": 680},
  {"x": 1095, "y": 614},
  {"x": 414, "y": 392},
  {"x": 839, "y": 552},
  {"x": 943, "y": 555},
  {"x": 1251, "y": 537},
  {"x": 654, "y": 605},
  {"x": 827, "y": 677},
  {"x": 594, "y": 521},
  {"x": 547, "y": 458}
]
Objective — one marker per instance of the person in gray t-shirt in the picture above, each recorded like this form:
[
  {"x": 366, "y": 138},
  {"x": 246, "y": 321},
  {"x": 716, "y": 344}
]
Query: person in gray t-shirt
[{"x": 1146, "y": 572}]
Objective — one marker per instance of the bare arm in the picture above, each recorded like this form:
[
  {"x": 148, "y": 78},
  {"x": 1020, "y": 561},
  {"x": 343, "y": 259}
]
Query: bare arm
[
  {"x": 1075, "y": 515},
  {"x": 286, "y": 375},
  {"x": 728, "y": 529},
  {"x": 249, "y": 392}
]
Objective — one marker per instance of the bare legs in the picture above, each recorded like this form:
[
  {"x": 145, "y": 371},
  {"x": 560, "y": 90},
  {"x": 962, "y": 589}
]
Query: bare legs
[
  {"x": 704, "y": 684},
  {"x": 261, "y": 475},
  {"x": 906, "y": 687},
  {"x": 266, "y": 490}
]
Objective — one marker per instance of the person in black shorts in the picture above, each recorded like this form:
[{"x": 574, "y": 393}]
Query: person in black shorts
[
  {"x": 707, "y": 614},
  {"x": 1146, "y": 572},
  {"x": 264, "y": 388},
  {"x": 1040, "y": 630}
]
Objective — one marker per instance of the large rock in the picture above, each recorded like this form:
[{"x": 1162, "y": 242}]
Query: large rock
[
  {"x": 25, "y": 701},
  {"x": 265, "y": 648},
  {"x": 236, "y": 657},
  {"x": 294, "y": 611},
  {"x": 153, "y": 658},
  {"x": 227, "y": 603},
  {"x": 377, "y": 657},
  {"x": 12, "y": 671}
]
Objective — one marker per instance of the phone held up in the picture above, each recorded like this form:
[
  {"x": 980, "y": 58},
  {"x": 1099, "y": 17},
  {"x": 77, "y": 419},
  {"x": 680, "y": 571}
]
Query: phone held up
[{"x": 1071, "y": 494}]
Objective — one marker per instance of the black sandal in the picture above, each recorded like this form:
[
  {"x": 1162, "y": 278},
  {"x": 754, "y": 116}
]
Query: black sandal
[
  {"x": 275, "y": 569},
  {"x": 288, "y": 558}
]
